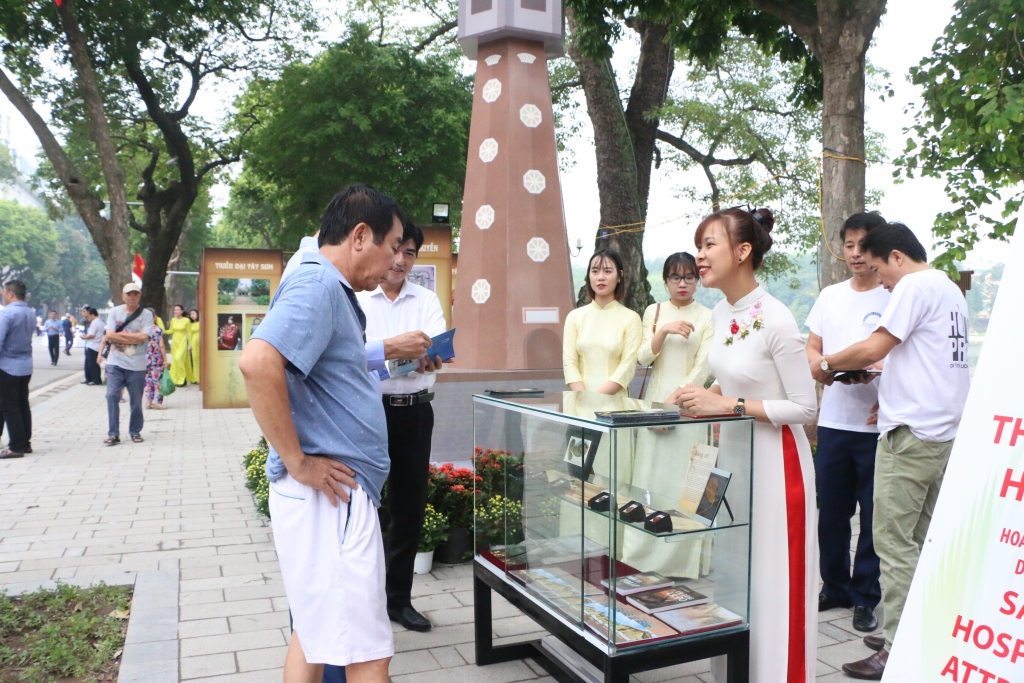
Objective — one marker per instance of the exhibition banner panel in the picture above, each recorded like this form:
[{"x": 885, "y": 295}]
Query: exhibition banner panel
[
  {"x": 235, "y": 288},
  {"x": 964, "y": 618},
  {"x": 433, "y": 268}
]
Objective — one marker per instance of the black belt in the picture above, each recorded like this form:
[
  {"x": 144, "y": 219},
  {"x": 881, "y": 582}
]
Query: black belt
[{"x": 405, "y": 400}]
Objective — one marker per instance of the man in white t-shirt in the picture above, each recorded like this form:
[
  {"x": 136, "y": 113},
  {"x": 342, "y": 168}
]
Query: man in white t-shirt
[
  {"x": 923, "y": 388},
  {"x": 844, "y": 462},
  {"x": 95, "y": 328}
]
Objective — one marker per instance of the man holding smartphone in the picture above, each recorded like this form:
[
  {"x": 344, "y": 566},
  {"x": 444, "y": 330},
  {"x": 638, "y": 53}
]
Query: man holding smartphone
[{"x": 844, "y": 464}]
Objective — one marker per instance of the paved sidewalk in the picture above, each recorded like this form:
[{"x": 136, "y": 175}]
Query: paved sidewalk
[{"x": 81, "y": 512}]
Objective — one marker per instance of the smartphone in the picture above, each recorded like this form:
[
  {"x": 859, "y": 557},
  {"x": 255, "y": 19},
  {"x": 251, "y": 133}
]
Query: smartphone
[{"x": 855, "y": 375}]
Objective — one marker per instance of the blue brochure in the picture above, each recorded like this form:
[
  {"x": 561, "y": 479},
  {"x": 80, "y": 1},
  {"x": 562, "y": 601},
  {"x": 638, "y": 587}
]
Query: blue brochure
[{"x": 441, "y": 346}]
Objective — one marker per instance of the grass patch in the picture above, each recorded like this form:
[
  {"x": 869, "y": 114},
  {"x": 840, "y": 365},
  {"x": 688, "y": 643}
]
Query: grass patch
[{"x": 67, "y": 635}]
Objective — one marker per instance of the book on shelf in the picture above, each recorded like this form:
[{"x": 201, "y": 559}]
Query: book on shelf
[
  {"x": 706, "y": 617},
  {"x": 553, "y": 583},
  {"x": 662, "y": 599},
  {"x": 631, "y": 625},
  {"x": 635, "y": 583},
  {"x": 510, "y": 555},
  {"x": 562, "y": 549}
]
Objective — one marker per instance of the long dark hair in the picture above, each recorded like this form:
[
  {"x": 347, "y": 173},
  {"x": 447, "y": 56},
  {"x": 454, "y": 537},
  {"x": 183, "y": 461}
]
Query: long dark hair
[{"x": 613, "y": 256}]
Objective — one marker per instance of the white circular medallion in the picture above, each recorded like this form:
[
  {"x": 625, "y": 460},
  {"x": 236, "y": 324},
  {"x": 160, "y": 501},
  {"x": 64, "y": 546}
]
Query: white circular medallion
[
  {"x": 533, "y": 181},
  {"x": 492, "y": 90},
  {"x": 530, "y": 115},
  {"x": 488, "y": 150},
  {"x": 484, "y": 217},
  {"x": 537, "y": 249},
  {"x": 481, "y": 291}
]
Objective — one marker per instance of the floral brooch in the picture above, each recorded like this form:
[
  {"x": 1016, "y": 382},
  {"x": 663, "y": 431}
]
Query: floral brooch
[{"x": 755, "y": 321}]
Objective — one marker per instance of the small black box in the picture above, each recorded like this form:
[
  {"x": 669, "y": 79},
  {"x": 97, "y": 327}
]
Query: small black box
[
  {"x": 632, "y": 512},
  {"x": 602, "y": 502},
  {"x": 659, "y": 522}
]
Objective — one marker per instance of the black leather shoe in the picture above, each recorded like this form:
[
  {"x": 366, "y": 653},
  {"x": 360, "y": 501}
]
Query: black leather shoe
[
  {"x": 876, "y": 643},
  {"x": 870, "y": 669},
  {"x": 28, "y": 449},
  {"x": 864, "y": 619},
  {"x": 409, "y": 618},
  {"x": 826, "y": 603}
]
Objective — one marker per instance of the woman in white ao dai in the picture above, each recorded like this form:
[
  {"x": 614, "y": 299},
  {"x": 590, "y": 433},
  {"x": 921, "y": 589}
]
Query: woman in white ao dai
[{"x": 760, "y": 367}]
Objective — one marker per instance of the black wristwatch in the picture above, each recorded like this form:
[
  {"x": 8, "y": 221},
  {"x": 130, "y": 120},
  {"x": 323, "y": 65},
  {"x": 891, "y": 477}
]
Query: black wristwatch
[{"x": 741, "y": 407}]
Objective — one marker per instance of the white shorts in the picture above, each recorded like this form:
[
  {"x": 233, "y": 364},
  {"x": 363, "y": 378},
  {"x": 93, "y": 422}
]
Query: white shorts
[{"x": 332, "y": 561}]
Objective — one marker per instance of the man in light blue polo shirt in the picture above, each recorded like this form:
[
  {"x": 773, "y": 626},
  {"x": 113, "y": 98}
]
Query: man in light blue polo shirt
[{"x": 306, "y": 376}]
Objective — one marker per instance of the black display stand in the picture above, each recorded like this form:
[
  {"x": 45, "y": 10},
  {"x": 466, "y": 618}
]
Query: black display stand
[{"x": 735, "y": 645}]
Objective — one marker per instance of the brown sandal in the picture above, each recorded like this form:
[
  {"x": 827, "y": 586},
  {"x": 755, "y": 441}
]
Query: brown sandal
[
  {"x": 137, "y": 439},
  {"x": 112, "y": 441}
]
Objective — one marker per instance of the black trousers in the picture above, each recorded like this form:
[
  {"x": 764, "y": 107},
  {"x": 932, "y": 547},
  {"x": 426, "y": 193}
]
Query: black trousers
[
  {"x": 92, "y": 370},
  {"x": 69, "y": 341},
  {"x": 54, "y": 340},
  {"x": 409, "y": 431},
  {"x": 844, "y": 466},
  {"x": 17, "y": 414}
]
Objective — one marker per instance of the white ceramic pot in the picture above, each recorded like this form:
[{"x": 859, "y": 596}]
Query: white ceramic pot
[{"x": 424, "y": 561}]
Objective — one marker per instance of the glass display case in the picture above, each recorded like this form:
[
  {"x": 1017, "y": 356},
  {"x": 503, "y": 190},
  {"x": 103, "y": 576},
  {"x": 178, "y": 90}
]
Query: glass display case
[{"x": 620, "y": 526}]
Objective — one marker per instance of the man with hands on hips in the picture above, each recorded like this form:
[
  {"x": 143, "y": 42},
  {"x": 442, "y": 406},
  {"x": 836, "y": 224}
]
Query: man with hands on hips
[
  {"x": 316, "y": 404},
  {"x": 922, "y": 334}
]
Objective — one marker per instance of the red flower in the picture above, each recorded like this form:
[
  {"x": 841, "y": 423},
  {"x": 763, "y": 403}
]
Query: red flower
[
  {"x": 734, "y": 328},
  {"x": 459, "y": 487},
  {"x": 479, "y": 478}
]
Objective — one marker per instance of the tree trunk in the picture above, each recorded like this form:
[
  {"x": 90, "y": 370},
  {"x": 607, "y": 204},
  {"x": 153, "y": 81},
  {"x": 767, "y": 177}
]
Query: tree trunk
[
  {"x": 624, "y": 145},
  {"x": 116, "y": 227},
  {"x": 650, "y": 88},
  {"x": 842, "y": 180},
  {"x": 838, "y": 33},
  {"x": 844, "y": 33},
  {"x": 110, "y": 238}
]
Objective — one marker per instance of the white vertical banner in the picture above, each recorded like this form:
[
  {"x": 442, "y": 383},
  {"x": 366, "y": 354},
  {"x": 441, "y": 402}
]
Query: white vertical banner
[{"x": 964, "y": 618}]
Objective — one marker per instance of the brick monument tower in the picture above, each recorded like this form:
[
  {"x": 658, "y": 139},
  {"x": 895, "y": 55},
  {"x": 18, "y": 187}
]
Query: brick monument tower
[{"x": 514, "y": 287}]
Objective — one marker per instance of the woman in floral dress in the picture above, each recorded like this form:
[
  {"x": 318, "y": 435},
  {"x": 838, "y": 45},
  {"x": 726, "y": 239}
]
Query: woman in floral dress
[{"x": 156, "y": 357}]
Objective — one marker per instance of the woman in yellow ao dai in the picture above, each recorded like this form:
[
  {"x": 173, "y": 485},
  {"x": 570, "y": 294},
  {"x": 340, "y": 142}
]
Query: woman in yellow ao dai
[
  {"x": 677, "y": 339},
  {"x": 601, "y": 339}
]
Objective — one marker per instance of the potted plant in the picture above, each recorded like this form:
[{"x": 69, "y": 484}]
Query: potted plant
[
  {"x": 451, "y": 490},
  {"x": 435, "y": 532},
  {"x": 499, "y": 522}
]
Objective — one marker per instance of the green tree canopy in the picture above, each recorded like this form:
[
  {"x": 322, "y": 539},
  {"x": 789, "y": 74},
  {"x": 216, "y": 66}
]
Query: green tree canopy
[
  {"x": 971, "y": 124},
  {"x": 120, "y": 78},
  {"x": 359, "y": 112},
  {"x": 29, "y": 249}
]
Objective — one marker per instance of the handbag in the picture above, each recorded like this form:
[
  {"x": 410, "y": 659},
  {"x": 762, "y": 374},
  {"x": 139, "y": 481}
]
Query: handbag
[
  {"x": 120, "y": 327},
  {"x": 643, "y": 386},
  {"x": 166, "y": 383}
]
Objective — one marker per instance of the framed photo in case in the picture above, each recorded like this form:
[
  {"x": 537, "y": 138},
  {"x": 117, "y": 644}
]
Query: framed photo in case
[{"x": 580, "y": 452}]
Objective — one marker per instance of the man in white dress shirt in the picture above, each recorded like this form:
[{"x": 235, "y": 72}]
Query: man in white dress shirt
[{"x": 395, "y": 308}]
